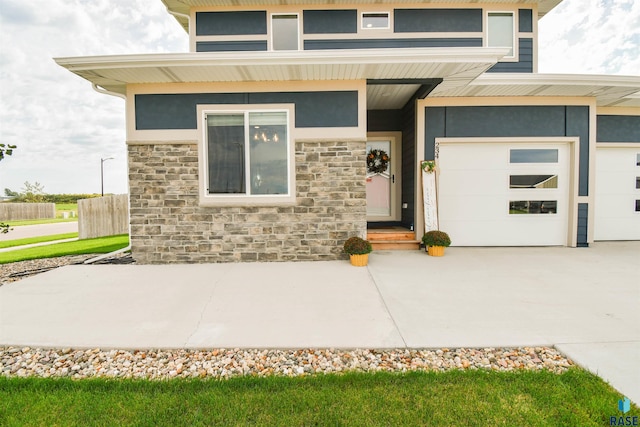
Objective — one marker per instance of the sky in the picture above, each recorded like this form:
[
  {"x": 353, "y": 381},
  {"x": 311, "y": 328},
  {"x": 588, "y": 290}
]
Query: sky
[{"x": 63, "y": 128}]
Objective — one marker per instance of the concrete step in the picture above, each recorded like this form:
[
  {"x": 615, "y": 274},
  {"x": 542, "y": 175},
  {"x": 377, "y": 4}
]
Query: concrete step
[{"x": 395, "y": 245}]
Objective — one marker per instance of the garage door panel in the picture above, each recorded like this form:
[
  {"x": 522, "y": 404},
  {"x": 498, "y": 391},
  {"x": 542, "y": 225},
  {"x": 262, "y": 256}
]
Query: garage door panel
[
  {"x": 483, "y": 233},
  {"x": 474, "y": 207},
  {"x": 474, "y": 196},
  {"x": 461, "y": 182},
  {"x": 616, "y": 194}
]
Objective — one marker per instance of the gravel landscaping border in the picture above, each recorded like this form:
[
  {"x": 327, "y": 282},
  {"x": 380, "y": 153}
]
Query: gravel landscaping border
[{"x": 228, "y": 363}]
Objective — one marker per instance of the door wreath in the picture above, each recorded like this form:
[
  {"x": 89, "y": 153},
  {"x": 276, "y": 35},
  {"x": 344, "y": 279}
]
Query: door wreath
[{"x": 377, "y": 161}]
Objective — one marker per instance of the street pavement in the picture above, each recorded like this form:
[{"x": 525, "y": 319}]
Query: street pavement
[
  {"x": 26, "y": 231},
  {"x": 583, "y": 301}
]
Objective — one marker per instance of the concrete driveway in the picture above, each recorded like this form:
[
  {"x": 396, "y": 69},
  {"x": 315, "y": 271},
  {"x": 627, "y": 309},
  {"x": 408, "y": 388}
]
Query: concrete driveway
[{"x": 586, "y": 302}]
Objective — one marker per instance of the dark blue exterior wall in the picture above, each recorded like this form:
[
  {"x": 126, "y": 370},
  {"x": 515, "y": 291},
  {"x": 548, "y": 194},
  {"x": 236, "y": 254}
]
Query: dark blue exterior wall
[
  {"x": 525, "y": 19},
  {"x": 513, "y": 121},
  {"x": 618, "y": 129},
  {"x": 330, "y": 21},
  {"x": 232, "y": 46},
  {"x": 525, "y": 60},
  {"x": 231, "y": 23},
  {"x": 583, "y": 221},
  {"x": 390, "y": 43},
  {"x": 313, "y": 109},
  {"x": 437, "y": 20}
]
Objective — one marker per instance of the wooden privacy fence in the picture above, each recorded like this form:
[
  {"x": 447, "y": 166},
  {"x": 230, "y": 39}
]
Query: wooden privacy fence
[
  {"x": 20, "y": 211},
  {"x": 103, "y": 216}
]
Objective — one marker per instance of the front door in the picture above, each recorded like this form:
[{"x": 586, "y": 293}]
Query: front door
[{"x": 383, "y": 178}]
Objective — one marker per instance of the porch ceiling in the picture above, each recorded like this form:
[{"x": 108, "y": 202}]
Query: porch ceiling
[
  {"x": 609, "y": 91},
  {"x": 457, "y": 66},
  {"x": 183, "y": 7}
]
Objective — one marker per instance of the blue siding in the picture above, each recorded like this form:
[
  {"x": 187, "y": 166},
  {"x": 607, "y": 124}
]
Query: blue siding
[
  {"x": 583, "y": 221},
  {"x": 512, "y": 121},
  {"x": 525, "y": 60},
  {"x": 384, "y": 120},
  {"x": 231, "y": 23},
  {"x": 525, "y": 19},
  {"x": 437, "y": 20},
  {"x": 313, "y": 109},
  {"x": 578, "y": 125},
  {"x": 618, "y": 129},
  {"x": 231, "y": 46},
  {"x": 330, "y": 21},
  {"x": 391, "y": 43},
  {"x": 504, "y": 121}
]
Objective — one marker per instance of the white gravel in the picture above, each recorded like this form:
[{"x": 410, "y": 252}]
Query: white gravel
[{"x": 227, "y": 363}]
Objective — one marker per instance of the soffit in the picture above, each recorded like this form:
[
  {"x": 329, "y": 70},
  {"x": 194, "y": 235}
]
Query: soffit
[
  {"x": 609, "y": 91},
  {"x": 183, "y": 7},
  {"x": 457, "y": 66}
]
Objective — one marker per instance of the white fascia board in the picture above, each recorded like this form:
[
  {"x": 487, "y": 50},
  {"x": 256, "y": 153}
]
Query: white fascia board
[
  {"x": 556, "y": 79},
  {"x": 183, "y": 6},
  {"x": 343, "y": 56}
]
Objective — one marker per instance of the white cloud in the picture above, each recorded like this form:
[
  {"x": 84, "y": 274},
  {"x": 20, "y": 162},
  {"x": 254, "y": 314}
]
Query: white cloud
[{"x": 62, "y": 127}]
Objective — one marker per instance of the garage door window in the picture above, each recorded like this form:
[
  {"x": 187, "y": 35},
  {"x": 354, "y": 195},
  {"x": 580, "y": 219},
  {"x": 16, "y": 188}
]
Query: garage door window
[
  {"x": 533, "y": 181},
  {"x": 545, "y": 155},
  {"x": 520, "y": 207}
]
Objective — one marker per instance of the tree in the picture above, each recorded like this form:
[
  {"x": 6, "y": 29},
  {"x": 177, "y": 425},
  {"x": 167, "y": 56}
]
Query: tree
[
  {"x": 33, "y": 193},
  {"x": 9, "y": 193},
  {"x": 6, "y": 150}
]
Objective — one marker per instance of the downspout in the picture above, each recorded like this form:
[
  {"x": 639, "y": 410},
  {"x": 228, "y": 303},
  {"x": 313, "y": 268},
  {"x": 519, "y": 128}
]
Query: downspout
[
  {"x": 181, "y": 15},
  {"x": 128, "y": 247}
]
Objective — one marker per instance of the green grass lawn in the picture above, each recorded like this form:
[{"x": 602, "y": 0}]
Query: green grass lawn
[
  {"x": 40, "y": 239},
  {"x": 87, "y": 246},
  {"x": 454, "y": 398}
]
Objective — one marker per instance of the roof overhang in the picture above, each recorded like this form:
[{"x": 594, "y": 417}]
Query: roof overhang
[
  {"x": 609, "y": 91},
  {"x": 455, "y": 66},
  {"x": 180, "y": 9}
]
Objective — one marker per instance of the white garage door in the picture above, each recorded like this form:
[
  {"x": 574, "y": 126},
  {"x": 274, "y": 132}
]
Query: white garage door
[
  {"x": 617, "y": 204},
  {"x": 504, "y": 194}
]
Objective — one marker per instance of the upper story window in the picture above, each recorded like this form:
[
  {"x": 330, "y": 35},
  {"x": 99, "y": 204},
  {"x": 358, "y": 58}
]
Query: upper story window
[
  {"x": 284, "y": 32},
  {"x": 501, "y": 31},
  {"x": 375, "y": 20}
]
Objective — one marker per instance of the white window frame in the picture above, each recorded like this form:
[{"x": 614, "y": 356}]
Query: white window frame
[
  {"x": 298, "y": 33},
  {"x": 207, "y": 199},
  {"x": 388, "y": 27},
  {"x": 514, "y": 41}
]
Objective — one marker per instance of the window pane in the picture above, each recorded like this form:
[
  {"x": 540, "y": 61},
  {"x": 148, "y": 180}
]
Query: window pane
[
  {"x": 533, "y": 181},
  {"x": 533, "y": 156},
  {"x": 637, "y": 205},
  {"x": 500, "y": 31},
  {"x": 638, "y": 159},
  {"x": 268, "y": 153},
  {"x": 226, "y": 153},
  {"x": 375, "y": 20},
  {"x": 284, "y": 31},
  {"x": 637, "y": 181},
  {"x": 532, "y": 207}
]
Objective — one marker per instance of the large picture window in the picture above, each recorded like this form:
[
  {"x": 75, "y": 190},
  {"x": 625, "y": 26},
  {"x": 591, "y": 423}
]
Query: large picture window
[
  {"x": 501, "y": 31},
  {"x": 247, "y": 154}
]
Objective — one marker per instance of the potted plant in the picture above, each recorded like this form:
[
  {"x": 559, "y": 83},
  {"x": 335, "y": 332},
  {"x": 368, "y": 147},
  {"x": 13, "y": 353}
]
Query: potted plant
[
  {"x": 435, "y": 241},
  {"x": 358, "y": 250}
]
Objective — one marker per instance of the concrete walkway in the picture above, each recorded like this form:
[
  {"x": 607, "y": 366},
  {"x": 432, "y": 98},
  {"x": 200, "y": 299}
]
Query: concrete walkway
[{"x": 586, "y": 302}]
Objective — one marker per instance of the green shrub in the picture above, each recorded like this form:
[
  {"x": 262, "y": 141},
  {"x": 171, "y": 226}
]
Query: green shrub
[
  {"x": 436, "y": 238},
  {"x": 357, "y": 246}
]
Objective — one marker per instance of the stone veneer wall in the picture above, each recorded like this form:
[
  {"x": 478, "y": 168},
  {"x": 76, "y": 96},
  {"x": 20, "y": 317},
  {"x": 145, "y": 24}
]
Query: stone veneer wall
[{"x": 169, "y": 226}]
